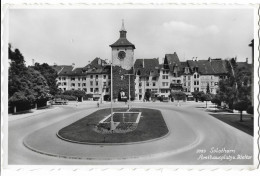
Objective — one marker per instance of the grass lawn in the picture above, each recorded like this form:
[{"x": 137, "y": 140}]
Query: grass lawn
[
  {"x": 234, "y": 120},
  {"x": 150, "y": 126}
]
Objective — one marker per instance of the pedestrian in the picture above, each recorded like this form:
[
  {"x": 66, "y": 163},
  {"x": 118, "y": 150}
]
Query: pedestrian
[{"x": 98, "y": 104}]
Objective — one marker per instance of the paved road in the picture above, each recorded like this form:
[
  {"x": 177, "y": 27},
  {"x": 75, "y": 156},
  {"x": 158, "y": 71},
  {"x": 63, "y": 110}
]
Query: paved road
[{"x": 191, "y": 131}]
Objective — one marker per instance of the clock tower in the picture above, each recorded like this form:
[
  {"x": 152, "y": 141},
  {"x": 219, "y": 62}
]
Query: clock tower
[{"x": 123, "y": 51}]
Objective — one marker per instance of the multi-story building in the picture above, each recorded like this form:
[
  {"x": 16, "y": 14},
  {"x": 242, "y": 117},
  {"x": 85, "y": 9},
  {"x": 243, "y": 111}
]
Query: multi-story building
[
  {"x": 147, "y": 78},
  {"x": 94, "y": 79},
  {"x": 146, "y": 74}
]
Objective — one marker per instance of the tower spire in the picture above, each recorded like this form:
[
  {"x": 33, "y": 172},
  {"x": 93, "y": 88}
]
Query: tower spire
[
  {"x": 123, "y": 25},
  {"x": 123, "y": 31}
]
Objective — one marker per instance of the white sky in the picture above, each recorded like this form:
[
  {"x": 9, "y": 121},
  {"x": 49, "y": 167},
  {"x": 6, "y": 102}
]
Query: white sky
[{"x": 78, "y": 36}]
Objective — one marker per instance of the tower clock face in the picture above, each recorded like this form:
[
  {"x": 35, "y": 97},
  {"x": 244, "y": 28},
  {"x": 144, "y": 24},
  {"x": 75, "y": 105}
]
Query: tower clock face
[{"x": 121, "y": 55}]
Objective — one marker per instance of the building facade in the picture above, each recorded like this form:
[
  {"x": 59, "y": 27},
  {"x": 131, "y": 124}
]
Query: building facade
[{"x": 143, "y": 75}]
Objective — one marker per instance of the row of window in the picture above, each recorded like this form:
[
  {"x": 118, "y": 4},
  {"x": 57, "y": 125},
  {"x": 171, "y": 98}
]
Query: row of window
[
  {"x": 154, "y": 78},
  {"x": 196, "y": 76},
  {"x": 165, "y": 77},
  {"x": 196, "y": 83},
  {"x": 165, "y": 72},
  {"x": 176, "y": 81},
  {"x": 186, "y": 77},
  {"x": 147, "y": 84},
  {"x": 95, "y": 90},
  {"x": 210, "y": 83},
  {"x": 84, "y": 84},
  {"x": 84, "y": 78},
  {"x": 185, "y": 90},
  {"x": 165, "y": 83}
]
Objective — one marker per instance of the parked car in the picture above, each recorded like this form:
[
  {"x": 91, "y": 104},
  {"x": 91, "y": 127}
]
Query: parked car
[{"x": 60, "y": 101}]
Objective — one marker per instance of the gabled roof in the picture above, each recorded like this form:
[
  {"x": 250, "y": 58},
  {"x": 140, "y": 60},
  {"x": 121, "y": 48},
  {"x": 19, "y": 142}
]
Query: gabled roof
[
  {"x": 58, "y": 68},
  {"x": 97, "y": 66},
  {"x": 182, "y": 68},
  {"x": 147, "y": 67},
  {"x": 63, "y": 69},
  {"x": 209, "y": 67},
  {"x": 122, "y": 42},
  {"x": 96, "y": 63},
  {"x": 171, "y": 61}
]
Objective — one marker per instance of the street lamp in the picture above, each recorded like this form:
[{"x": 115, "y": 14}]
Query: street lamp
[{"x": 111, "y": 96}]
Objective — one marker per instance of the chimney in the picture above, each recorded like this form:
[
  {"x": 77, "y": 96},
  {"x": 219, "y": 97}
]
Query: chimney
[
  {"x": 247, "y": 60},
  {"x": 33, "y": 62},
  {"x": 196, "y": 59},
  {"x": 209, "y": 59},
  {"x": 192, "y": 58}
]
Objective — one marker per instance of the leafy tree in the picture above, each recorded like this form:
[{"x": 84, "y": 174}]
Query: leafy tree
[
  {"x": 178, "y": 95},
  {"x": 39, "y": 87},
  {"x": 236, "y": 87},
  {"x": 216, "y": 100},
  {"x": 148, "y": 95},
  {"x": 197, "y": 95},
  {"x": 26, "y": 86},
  {"x": 49, "y": 74},
  {"x": 228, "y": 87},
  {"x": 206, "y": 97},
  {"x": 208, "y": 91},
  {"x": 77, "y": 93},
  {"x": 66, "y": 97},
  {"x": 241, "y": 106}
]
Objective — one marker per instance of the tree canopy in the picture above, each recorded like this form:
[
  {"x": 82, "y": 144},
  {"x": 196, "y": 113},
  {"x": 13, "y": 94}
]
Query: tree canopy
[
  {"x": 49, "y": 74},
  {"x": 178, "y": 95},
  {"x": 241, "y": 106},
  {"x": 25, "y": 85},
  {"x": 197, "y": 95},
  {"x": 236, "y": 87}
]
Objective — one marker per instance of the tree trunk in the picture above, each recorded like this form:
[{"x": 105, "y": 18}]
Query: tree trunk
[
  {"x": 14, "y": 109},
  {"x": 241, "y": 118},
  {"x": 35, "y": 105}
]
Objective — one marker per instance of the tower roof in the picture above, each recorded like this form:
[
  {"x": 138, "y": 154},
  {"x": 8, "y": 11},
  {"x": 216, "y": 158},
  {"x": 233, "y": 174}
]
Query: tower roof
[{"x": 122, "y": 41}]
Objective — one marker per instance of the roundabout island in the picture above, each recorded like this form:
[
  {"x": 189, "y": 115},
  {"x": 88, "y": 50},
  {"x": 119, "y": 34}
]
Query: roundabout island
[{"x": 130, "y": 126}]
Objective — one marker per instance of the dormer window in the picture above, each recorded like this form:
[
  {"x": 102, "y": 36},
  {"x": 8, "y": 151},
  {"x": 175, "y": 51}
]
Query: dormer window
[
  {"x": 195, "y": 69},
  {"x": 186, "y": 70}
]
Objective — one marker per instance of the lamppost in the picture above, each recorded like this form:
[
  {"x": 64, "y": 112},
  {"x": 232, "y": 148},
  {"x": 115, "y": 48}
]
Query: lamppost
[
  {"x": 111, "y": 97},
  {"x": 129, "y": 88}
]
